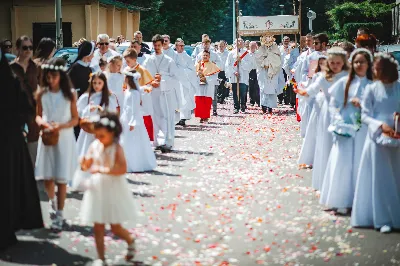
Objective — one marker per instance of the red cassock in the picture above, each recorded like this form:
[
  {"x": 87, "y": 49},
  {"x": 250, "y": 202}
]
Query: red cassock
[
  {"x": 203, "y": 107},
  {"x": 148, "y": 123}
]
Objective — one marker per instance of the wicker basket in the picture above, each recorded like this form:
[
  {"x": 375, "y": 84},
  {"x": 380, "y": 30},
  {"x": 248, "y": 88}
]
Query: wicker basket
[
  {"x": 50, "y": 137},
  {"x": 86, "y": 125}
]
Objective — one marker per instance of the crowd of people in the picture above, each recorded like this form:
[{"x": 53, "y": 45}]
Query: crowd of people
[{"x": 88, "y": 124}]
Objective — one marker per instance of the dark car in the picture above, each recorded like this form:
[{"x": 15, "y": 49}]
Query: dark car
[{"x": 69, "y": 54}]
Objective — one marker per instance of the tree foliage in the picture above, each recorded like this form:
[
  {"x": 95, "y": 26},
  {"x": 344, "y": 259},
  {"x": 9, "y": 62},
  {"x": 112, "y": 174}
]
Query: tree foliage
[{"x": 349, "y": 16}]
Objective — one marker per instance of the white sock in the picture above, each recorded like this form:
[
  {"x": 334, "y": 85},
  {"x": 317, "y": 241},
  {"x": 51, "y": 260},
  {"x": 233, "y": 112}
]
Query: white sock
[
  {"x": 53, "y": 203},
  {"x": 60, "y": 213}
]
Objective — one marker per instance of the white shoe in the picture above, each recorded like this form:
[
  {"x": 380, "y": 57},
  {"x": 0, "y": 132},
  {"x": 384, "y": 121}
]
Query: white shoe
[
  {"x": 131, "y": 251},
  {"x": 99, "y": 263},
  {"x": 57, "y": 223},
  {"x": 386, "y": 229}
]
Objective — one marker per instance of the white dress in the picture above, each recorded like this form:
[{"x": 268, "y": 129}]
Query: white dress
[
  {"x": 115, "y": 82},
  {"x": 57, "y": 162},
  {"x": 324, "y": 138},
  {"x": 108, "y": 199},
  {"x": 377, "y": 194},
  {"x": 84, "y": 104},
  {"x": 344, "y": 160},
  {"x": 139, "y": 154}
]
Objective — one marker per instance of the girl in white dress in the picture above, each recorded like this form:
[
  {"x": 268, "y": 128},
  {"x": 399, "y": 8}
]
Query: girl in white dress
[
  {"x": 56, "y": 112},
  {"x": 337, "y": 68},
  {"x": 306, "y": 157},
  {"x": 107, "y": 199},
  {"x": 115, "y": 79},
  {"x": 95, "y": 100},
  {"x": 135, "y": 140},
  {"x": 377, "y": 194},
  {"x": 349, "y": 135}
]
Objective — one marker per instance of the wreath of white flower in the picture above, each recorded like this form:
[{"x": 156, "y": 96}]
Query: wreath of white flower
[
  {"x": 103, "y": 121},
  {"x": 131, "y": 74},
  {"x": 358, "y": 50},
  {"x": 336, "y": 51},
  {"x": 387, "y": 56},
  {"x": 56, "y": 68}
]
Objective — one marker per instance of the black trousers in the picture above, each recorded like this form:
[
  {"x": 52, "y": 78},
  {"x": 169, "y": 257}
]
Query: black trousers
[
  {"x": 222, "y": 92},
  {"x": 284, "y": 97},
  {"x": 239, "y": 98},
  {"x": 254, "y": 89}
]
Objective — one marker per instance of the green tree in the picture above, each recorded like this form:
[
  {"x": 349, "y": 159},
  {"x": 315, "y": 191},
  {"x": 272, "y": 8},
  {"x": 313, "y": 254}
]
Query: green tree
[{"x": 347, "y": 17}]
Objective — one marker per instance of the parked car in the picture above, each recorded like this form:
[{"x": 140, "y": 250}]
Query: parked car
[
  {"x": 10, "y": 57},
  {"x": 69, "y": 54},
  {"x": 189, "y": 49},
  {"x": 393, "y": 49}
]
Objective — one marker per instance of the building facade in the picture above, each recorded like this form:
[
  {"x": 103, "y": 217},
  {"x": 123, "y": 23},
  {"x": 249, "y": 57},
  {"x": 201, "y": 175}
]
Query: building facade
[{"x": 81, "y": 18}]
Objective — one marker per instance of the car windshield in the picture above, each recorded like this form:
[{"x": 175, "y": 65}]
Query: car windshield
[
  {"x": 68, "y": 55},
  {"x": 396, "y": 55}
]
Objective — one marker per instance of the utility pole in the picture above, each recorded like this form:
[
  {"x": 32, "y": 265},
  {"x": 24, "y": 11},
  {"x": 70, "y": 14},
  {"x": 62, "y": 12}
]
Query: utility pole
[
  {"x": 300, "y": 17},
  {"x": 237, "y": 46},
  {"x": 234, "y": 20},
  {"x": 281, "y": 6},
  {"x": 59, "y": 34}
]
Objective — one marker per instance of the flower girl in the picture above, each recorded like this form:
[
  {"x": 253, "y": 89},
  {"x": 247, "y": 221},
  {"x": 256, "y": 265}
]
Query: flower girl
[
  {"x": 135, "y": 140},
  {"x": 349, "y": 134},
  {"x": 107, "y": 199},
  {"x": 115, "y": 79},
  {"x": 95, "y": 100},
  {"x": 377, "y": 193},
  {"x": 56, "y": 115}
]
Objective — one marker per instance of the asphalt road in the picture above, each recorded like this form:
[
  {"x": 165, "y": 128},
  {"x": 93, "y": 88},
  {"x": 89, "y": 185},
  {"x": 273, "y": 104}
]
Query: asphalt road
[{"x": 229, "y": 194}]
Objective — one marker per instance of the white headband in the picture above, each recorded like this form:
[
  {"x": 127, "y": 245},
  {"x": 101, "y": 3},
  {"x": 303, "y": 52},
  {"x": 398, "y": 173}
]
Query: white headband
[
  {"x": 135, "y": 75},
  {"x": 55, "y": 68},
  {"x": 336, "y": 51},
  {"x": 112, "y": 57},
  {"x": 358, "y": 50},
  {"x": 93, "y": 46}
]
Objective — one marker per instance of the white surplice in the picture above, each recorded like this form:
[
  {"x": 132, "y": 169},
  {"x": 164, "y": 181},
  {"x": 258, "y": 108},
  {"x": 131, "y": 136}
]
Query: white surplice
[
  {"x": 344, "y": 160},
  {"x": 164, "y": 98},
  {"x": 188, "y": 82},
  {"x": 97, "y": 56}
]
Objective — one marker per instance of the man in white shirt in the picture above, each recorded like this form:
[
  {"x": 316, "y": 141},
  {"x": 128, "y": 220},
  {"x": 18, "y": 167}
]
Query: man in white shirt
[
  {"x": 165, "y": 72},
  {"x": 104, "y": 52},
  {"x": 199, "y": 48},
  {"x": 167, "y": 47},
  {"x": 232, "y": 72},
  {"x": 138, "y": 48},
  {"x": 254, "y": 89},
  {"x": 187, "y": 79},
  {"x": 285, "y": 50},
  {"x": 222, "y": 91}
]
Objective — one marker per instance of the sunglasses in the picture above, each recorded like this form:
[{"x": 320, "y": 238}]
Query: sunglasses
[
  {"x": 166, "y": 40},
  {"x": 7, "y": 46},
  {"x": 316, "y": 42},
  {"x": 26, "y": 48},
  {"x": 103, "y": 43}
]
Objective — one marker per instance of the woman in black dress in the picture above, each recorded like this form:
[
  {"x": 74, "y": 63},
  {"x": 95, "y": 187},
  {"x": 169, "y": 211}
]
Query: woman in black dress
[{"x": 19, "y": 198}]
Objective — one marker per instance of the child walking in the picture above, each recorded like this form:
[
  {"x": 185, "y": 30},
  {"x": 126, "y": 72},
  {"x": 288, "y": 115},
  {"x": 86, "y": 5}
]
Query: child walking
[
  {"x": 115, "y": 79},
  {"x": 93, "y": 101},
  {"x": 56, "y": 114},
  {"x": 108, "y": 199},
  {"x": 135, "y": 140},
  {"x": 349, "y": 134}
]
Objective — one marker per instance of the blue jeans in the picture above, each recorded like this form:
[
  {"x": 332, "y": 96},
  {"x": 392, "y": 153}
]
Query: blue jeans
[{"x": 239, "y": 102}]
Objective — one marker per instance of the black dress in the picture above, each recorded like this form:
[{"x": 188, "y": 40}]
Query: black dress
[
  {"x": 80, "y": 76},
  {"x": 19, "y": 197}
]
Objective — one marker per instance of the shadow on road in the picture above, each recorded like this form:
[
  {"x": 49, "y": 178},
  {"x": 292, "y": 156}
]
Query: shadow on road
[
  {"x": 164, "y": 157},
  {"x": 41, "y": 253}
]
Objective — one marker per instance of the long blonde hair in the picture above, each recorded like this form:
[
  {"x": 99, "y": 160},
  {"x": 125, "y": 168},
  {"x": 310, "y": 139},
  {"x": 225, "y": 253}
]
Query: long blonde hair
[{"x": 336, "y": 51}]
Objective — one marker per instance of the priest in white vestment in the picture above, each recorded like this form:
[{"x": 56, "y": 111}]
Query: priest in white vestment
[{"x": 165, "y": 72}]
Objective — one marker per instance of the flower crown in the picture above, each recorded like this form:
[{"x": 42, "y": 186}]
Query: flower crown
[
  {"x": 103, "y": 121},
  {"x": 55, "y": 68},
  {"x": 387, "y": 56},
  {"x": 337, "y": 51},
  {"x": 356, "y": 51},
  {"x": 135, "y": 75}
]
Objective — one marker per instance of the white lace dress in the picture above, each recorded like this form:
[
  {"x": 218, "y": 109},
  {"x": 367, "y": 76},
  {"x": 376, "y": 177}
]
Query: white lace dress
[
  {"x": 57, "y": 162},
  {"x": 108, "y": 199}
]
